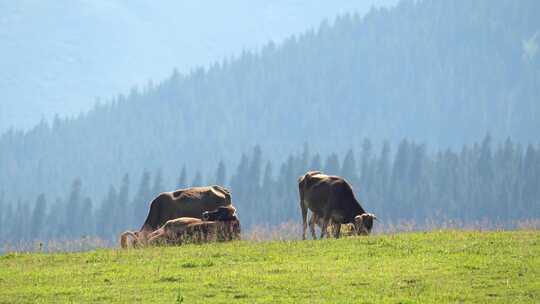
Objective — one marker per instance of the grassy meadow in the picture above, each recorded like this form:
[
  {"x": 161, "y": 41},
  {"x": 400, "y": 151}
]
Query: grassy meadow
[{"x": 420, "y": 267}]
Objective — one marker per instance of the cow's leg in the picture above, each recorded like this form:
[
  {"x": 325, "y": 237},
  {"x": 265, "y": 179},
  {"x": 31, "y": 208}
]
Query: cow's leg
[
  {"x": 199, "y": 234},
  {"x": 222, "y": 231},
  {"x": 324, "y": 227},
  {"x": 155, "y": 237},
  {"x": 154, "y": 233},
  {"x": 236, "y": 230},
  {"x": 304, "y": 219},
  {"x": 206, "y": 232},
  {"x": 228, "y": 230},
  {"x": 312, "y": 222},
  {"x": 188, "y": 235},
  {"x": 337, "y": 229}
]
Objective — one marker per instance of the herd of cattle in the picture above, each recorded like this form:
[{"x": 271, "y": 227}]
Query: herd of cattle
[{"x": 202, "y": 214}]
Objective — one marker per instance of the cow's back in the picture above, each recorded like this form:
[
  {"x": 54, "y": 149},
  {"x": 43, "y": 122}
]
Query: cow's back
[{"x": 190, "y": 202}]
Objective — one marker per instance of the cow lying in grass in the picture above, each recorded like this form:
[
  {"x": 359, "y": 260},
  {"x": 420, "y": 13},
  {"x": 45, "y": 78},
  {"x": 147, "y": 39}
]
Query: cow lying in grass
[
  {"x": 220, "y": 224},
  {"x": 190, "y": 230}
]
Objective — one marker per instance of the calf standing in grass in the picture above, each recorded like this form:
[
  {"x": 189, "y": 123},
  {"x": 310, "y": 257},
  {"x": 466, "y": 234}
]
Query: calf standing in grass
[{"x": 330, "y": 198}]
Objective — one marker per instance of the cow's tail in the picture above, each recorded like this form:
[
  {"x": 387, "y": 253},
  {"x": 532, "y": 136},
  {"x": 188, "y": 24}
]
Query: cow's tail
[
  {"x": 303, "y": 209},
  {"x": 302, "y": 180},
  {"x": 237, "y": 230}
]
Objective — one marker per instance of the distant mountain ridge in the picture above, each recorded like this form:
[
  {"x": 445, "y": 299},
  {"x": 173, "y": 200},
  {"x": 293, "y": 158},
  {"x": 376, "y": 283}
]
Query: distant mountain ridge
[
  {"x": 443, "y": 73},
  {"x": 60, "y": 56}
]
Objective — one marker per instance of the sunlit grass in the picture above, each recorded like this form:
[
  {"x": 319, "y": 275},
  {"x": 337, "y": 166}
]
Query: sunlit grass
[{"x": 450, "y": 266}]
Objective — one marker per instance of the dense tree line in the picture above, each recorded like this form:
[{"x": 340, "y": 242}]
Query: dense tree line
[
  {"x": 440, "y": 72},
  {"x": 483, "y": 181}
]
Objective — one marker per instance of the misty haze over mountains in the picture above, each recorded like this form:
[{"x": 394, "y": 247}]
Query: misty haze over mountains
[
  {"x": 61, "y": 56},
  {"x": 427, "y": 107},
  {"x": 437, "y": 72}
]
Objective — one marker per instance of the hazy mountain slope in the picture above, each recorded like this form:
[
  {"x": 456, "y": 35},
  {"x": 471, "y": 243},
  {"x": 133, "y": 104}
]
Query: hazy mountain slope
[
  {"x": 440, "y": 72},
  {"x": 59, "y": 56}
]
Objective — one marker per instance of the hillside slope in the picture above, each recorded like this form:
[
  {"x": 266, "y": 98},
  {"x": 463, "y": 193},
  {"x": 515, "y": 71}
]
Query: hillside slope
[
  {"x": 59, "y": 56},
  {"x": 444, "y": 73},
  {"x": 435, "y": 267}
]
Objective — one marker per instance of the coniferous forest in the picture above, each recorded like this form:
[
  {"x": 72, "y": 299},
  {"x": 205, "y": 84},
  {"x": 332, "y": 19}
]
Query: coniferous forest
[
  {"x": 430, "y": 109},
  {"x": 480, "y": 182}
]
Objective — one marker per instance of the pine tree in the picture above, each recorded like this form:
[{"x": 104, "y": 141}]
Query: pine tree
[
  {"x": 366, "y": 161},
  {"x": 401, "y": 163},
  {"x": 2, "y": 221},
  {"x": 38, "y": 217},
  {"x": 55, "y": 220},
  {"x": 20, "y": 229},
  {"x": 383, "y": 167},
  {"x": 399, "y": 188},
  {"x": 197, "y": 180},
  {"x": 5, "y": 231},
  {"x": 348, "y": 169},
  {"x": 315, "y": 163},
  {"x": 531, "y": 183},
  {"x": 331, "y": 166},
  {"x": 142, "y": 199},
  {"x": 182, "y": 179},
  {"x": 305, "y": 159},
  {"x": 485, "y": 161},
  {"x": 485, "y": 192},
  {"x": 105, "y": 218},
  {"x": 254, "y": 171},
  {"x": 87, "y": 223},
  {"x": 237, "y": 180},
  {"x": 120, "y": 213},
  {"x": 157, "y": 188},
  {"x": 221, "y": 174},
  {"x": 381, "y": 180},
  {"x": 72, "y": 210},
  {"x": 239, "y": 188}
]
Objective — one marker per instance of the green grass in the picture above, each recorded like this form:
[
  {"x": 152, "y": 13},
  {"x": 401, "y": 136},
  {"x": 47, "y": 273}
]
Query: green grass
[{"x": 450, "y": 266}]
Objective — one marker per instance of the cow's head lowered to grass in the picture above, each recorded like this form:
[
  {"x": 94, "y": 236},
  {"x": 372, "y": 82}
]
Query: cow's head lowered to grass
[{"x": 363, "y": 223}]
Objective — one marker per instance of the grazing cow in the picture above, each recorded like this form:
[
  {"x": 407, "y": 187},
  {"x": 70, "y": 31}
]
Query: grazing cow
[
  {"x": 330, "y": 198},
  {"x": 190, "y": 202}
]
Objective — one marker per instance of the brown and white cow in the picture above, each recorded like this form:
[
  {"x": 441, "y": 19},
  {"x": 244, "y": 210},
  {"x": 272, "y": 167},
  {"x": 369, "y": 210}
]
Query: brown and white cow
[{"x": 331, "y": 199}]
